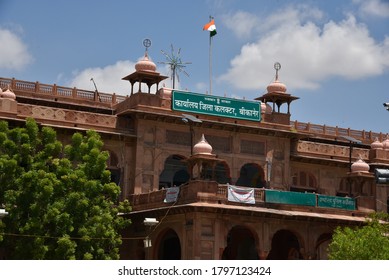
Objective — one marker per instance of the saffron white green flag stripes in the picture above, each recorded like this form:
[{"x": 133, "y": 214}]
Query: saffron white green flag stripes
[{"x": 211, "y": 27}]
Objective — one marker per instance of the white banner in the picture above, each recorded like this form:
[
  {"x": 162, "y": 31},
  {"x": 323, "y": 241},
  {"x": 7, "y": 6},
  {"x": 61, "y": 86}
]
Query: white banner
[
  {"x": 171, "y": 194},
  {"x": 240, "y": 194}
]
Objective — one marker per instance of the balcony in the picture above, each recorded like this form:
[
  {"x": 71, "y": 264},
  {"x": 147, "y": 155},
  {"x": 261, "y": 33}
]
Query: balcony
[{"x": 209, "y": 192}]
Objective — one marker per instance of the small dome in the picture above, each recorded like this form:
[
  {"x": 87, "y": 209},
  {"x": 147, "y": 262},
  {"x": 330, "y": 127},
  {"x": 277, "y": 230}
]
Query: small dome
[
  {"x": 145, "y": 64},
  {"x": 276, "y": 86},
  {"x": 385, "y": 143},
  {"x": 202, "y": 147},
  {"x": 376, "y": 144},
  {"x": 360, "y": 166},
  {"x": 7, "y": 94}
]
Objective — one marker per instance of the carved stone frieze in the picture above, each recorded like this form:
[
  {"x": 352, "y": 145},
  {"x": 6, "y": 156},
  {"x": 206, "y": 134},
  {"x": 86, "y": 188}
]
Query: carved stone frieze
[
  {"x": 63, "y": 115},
  {"x": 330, "y": 150}
]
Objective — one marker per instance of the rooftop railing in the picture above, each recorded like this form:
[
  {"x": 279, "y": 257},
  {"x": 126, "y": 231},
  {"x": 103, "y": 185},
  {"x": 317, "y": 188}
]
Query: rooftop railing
[
  {"x": 334, "y": 131},
  {"x": 27, "y": 88}
]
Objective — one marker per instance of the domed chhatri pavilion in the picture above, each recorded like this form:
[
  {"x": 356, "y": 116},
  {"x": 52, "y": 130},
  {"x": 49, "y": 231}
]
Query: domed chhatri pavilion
[{"x": 224, "y": 178}]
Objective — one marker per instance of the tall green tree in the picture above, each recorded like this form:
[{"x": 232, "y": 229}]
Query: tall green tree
[
  {"x": 369, "y": 242},
  {"x": 61, "y": 201}
]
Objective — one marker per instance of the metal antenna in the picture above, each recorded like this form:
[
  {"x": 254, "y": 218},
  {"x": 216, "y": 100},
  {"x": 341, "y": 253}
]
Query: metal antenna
[{"x": 175, "y": 63}]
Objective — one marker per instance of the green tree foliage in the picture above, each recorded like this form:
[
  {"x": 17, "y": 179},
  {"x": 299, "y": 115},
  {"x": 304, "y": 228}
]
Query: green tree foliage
[
  {"x": 370, "y": 242},
  {"x": 61, "y": 201}
]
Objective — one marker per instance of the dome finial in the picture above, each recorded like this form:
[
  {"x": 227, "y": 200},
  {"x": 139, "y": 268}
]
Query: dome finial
[
  {"x": 145, "y": 64},
  {"x": 277, "y": 67},
  {"x": 147, "y": 44},
  {"x": 276, "y": 86}
]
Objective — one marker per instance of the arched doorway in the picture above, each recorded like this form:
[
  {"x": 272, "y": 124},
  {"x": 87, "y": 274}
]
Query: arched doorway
[
  {"x": 322, "y": 246},
  {"x": 241, "y": 245},
  {"x": 251, "y": 175},
  {"x": 174, "y": 173},
  {"x": 284, "y": 246},
  {"x": 169, "y": 246}
]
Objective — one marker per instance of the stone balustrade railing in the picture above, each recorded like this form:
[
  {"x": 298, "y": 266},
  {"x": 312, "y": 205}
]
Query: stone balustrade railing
[
  {"x": 323, "y": 130},
  {"x": 29, "y": 88}
]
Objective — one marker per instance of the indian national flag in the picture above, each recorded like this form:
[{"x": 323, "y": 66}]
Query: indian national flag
[{"x": 210, "y": 26}]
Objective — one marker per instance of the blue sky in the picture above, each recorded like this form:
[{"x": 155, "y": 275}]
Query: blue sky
[{"x": 334, "y": 54}]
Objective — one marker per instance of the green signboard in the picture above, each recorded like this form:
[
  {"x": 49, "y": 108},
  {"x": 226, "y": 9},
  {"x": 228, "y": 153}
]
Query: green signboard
[
  {"x": 216, "y": 106},
  {"x": 335, "y": 202},
  {"x": 296, "y": 198}
]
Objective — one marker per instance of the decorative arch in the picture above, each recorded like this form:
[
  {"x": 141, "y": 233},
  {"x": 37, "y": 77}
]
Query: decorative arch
[
  {"x": 168, "y": 245},
  {"x": 174, "y": 173},
  {"x": 221, "y": 173},
  {"x": 321, "y": 248},
  {"x": 285, "y": 246},
  {"x": 241, "y": 244},
  {"x": 251, "y": 175}
]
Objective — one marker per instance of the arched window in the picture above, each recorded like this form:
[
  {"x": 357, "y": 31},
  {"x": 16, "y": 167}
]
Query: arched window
[
  {"x": 221, "y": 173},
  {"x": 174, "y": 173},
  {"x": 251, "y": 175}
]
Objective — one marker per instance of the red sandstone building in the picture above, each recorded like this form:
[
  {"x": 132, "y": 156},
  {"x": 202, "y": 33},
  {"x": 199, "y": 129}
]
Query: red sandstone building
[{"x": 224, "y": 178}]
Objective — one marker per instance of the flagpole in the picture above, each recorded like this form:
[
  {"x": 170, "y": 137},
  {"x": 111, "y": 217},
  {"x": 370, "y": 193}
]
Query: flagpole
[
  {"x": 210, "y": 60},
  {"x": 210, "y": 26},
  {"x": 210, "y": 64}
]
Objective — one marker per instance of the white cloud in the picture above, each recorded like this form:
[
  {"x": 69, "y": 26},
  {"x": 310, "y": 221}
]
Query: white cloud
[
  {"x": 375, "y": 8},
  {"x": 13, "y": 51},
  {"x": 244, "y": 24},
  {"x": 107, "y": 79},
  {"x": 241, "y": 23},
  {"x": 309, "y": 53}
]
